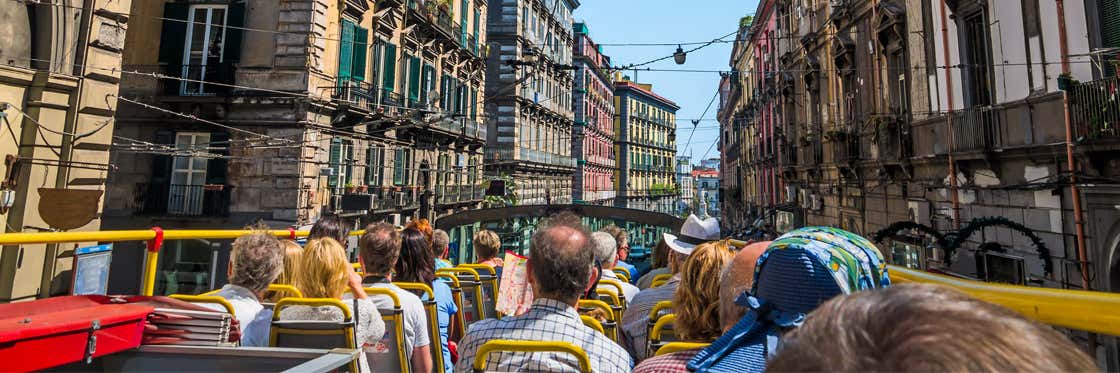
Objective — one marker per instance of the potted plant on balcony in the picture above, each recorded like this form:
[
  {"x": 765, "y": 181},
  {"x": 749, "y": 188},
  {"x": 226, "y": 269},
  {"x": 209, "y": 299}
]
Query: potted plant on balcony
[
  {"x": 363, "y": 189},
  {"x": 350, "y": 188},
  {"x": 1066, "y": 81}
]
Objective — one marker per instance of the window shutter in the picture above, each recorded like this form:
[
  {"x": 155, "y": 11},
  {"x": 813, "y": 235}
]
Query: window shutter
[
  {"x": 346, "y": 51},
  {"x": 414, "y": 78},
  {"x": 371, "y": 163},
  {"x": 1110, "y": 23},
  {"x": 463, "y": 22},
  {"x": 474, "y": 103},
  {"x": 335, "y": 159},
  {"x": 174, "y": 35},
  {"x": 390, "y": 64},
  {"x": 477, "y": 21},
  {"x": 161, "y": 163},
  {"x": 234, "y": 33},
  {"x": 361, "y": 47},
  {"x": 426, "y": 84},
  {"x": 445, "y": 93},
  {"x": 217, "y": 168},
  {"x": 398, "y": 167}
]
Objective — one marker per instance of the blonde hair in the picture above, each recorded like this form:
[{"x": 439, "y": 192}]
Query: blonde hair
[
  {"x": 696, "y": 300},
  {"x": 292, "y": 254},
  {"x": 323, "y": 271},
  {"x": 486, "y": 244}
]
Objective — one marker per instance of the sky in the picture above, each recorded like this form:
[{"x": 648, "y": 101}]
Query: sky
[{"x": 672, "y": 21}]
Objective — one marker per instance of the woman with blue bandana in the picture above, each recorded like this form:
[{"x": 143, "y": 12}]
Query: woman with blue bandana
[{"x": 798, "y": 272}]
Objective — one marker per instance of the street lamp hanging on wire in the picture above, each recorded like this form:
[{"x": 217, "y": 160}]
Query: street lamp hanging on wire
[{"x": 680, "y": 55}]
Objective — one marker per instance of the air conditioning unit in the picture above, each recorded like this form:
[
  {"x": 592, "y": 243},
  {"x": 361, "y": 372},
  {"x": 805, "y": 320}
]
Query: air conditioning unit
[
  {"x": 395, "y": 219},
  {"x": 918, "y": 211},
  {"x": 400, "y": 200}
]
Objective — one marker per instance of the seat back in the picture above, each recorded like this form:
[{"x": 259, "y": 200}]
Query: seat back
[
  {"x": 457, "y": 296},
  {"x": 471, "y": 283},
  {"x": 488, "y": 280},
  {"x": 430, "y": 309},
  {"x": 499, "y": 345},
  {"x": 313, "y": 334},
  {"x": 612, "y": 299},
  {"x": 389, "y": 354},
  {"x": 286, "y": 290},
  {"x": 593, "y": 323},
  {"x": 661, "y": 334},
  {"x": 208, "y": 299},
  {"x": 610, "y": 326},
  {"x": 672, "y": 347},
  {"x": 660, "y": 280},
  {"x": 622, "y": 273},
  {"x": 617, "y": 286}
]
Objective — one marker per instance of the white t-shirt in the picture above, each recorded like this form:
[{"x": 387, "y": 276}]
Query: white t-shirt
[
  {"x": 247, "y": 308},
  {"x": 628, "y": 290},
  {"x": 415, "y": 323}
]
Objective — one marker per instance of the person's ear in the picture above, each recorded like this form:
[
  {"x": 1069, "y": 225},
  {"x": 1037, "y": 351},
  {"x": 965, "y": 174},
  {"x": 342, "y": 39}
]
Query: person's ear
[
  {"x": 591, "y": 280},
  {"x": 229, "y": 270}
]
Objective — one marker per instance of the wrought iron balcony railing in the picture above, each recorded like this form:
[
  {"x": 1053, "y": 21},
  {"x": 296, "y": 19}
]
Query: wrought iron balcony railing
[{"x": 181, "y": 200}]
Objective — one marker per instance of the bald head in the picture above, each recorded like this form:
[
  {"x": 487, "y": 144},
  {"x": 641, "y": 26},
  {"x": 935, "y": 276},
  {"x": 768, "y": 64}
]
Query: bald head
[
  {"x": 560, "y": 259},
  {"x": 737, "y": 277}
]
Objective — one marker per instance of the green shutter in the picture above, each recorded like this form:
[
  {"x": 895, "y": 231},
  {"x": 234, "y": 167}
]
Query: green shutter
[
  {"x": 1110, "y": 23},
  {"x": 361, "y": 49},
  {"x": 346, "y": 51},
  {"x": 398, "y": 167},
  {"x": 463, "y": 22},
  {"x": 426, "y": 83},
  {"x": 445, "y": 93},
  {"x": 390, "y": 65},
  {"x": 234, "y": 32},
  {"x": 474, "y": 103},
  {"x": 174, "y": 34},
  {"x": 414, "y": 78},
  {"x": 334, "y": 161}
]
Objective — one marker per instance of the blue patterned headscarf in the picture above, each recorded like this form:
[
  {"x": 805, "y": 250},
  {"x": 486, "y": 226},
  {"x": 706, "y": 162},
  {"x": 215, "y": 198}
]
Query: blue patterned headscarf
[{"x": 798, "y": 272}]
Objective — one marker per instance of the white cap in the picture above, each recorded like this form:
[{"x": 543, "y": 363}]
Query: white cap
[{"x": 693, "y": 232}]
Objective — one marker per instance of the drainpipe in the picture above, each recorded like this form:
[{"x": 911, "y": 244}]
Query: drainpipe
[{"x": 949, "y": 117}]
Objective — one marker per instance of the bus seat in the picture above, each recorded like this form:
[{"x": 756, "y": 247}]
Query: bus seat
[
  {"x": 672, "y": 347},
  {"x": 612, "y": 299},
  {"x": 498, "y": 345},
  {"x": 610, "y": 326},
  {"x": 660, "y": 279},
  {"x": 457, "y": 295},
  {"x": 661, "y": 334},
  {"x": 622, "y": 273},
  {"x": 471, "y": 283},
  {"x": 313, "y": 334},
  {"x": 389, "y": 354},
  {"x": 488, "y": 277},
  {"x": 593, "y": 323},
  {"x": 428, "y": 298},
  {"x": 206, "y": 299}
]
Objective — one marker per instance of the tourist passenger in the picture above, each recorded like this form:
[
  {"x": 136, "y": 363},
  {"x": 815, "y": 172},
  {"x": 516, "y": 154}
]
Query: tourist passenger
[
  {"x": 424, "y": 226},
  {"x": 605, "y": 253},
  {"x": 441, "y": 249},
  {"x": 324, "y": 272},
  {"x": 292, "y": 253},
  {"x": 797, "y": 272},
  {"x": 416, "y": 265},
  {"x": 696, "y": 305},
  {"x": 255, "y": 261},
  {"x": 660, "y": 265},
  {"x": 559, "y": 270},
  {"x": 622, "y": 248},
  {"x": 737, "y": 279},
  {"x": 380, "y": 248},
  {"x": 486, "y": 246},
  {"x": 634, "y": 320},
  {"x": 924, "y": 328},
  {"x": 331, "y": 226}
]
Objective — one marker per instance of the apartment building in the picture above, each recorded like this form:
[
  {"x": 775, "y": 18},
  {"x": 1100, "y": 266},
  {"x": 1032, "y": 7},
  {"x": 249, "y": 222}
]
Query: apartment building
[
  {"x": 283, "y": 111},
  {"x": 646, "y": 147},
  {"x": 529, "y": 98},
  {"x": 686, "y": 194},
  {"x": 593, "y": 134}
]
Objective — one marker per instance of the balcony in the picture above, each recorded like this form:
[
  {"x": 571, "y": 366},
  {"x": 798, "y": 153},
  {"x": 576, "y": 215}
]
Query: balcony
[
  {"x": 1095, "y": 109},
  {"x": 844, "y": 144},
  {"x": 465, "y": 127},
  {"x": 788, "y": 152},
  {"x": 182, "y": 200},
  {"x": 392, "y": 99},
  {"x": 455, "y": 194},
  {"x": 811, "y": 152},
  {"x": 356, "y": 93},
  {"x": 976, "y": 129},
  {"x": 885, "y": 140},
  {"x": 171, "y": 80}
]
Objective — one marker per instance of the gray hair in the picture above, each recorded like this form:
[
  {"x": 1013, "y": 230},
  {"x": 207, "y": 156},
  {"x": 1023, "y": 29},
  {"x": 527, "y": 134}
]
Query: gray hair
[
  {"x": 257, "y": 260},
  {"x": 562, "y": 255},
  {"x": 440, "y": 240},
  {"x": 604, "y": 247}
]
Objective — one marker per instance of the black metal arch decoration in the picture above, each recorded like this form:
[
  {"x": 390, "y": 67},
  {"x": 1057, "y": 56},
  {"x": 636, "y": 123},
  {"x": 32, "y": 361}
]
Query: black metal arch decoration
[
  {"x": 897, "y": 226},
  {"x": 954, "y": 241}
]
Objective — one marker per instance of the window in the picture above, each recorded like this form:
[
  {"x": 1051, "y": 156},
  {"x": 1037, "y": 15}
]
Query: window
[
  {"x": 375, "y": 158},
  {"x": 413, "y": 78},
  {"x": 341, "y": 161},
  {"x": 389, "y": 67},
  {"x": 188, "y": 175},
  {"x": 202, "y": 51},
  {"x": 401, "y": 160},
  {"x": 352, "y": 51},
  {"x": 977, "y": 58}
]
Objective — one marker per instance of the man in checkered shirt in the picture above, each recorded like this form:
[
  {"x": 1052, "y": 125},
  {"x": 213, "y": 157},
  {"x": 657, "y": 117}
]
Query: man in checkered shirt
[{"x": 560, "y": 270}]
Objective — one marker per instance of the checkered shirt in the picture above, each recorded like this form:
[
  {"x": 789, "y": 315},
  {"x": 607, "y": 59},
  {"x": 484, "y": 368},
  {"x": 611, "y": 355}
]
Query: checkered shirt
[
  {"x": 546, "y": 320},
  {"x": 676, "y": 362},
  {"x": 635, "y": 319}
]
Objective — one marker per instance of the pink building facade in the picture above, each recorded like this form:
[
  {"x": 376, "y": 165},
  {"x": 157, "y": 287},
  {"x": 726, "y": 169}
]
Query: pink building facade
[{"x": 593, "y": 136}]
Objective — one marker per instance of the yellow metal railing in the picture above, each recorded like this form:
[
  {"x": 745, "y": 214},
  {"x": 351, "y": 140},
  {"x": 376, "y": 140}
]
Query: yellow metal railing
[
  {"x": 1090, "y": 311},
  {"x": 1083, "y": 310},
  {"x": 154, "y": 237}
]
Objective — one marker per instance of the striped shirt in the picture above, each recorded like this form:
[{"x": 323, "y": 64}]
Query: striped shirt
[
  {"x": 668, "y": 363},
  {"x": 636, "y": 318},
  {"x": 546, "y": 320}
]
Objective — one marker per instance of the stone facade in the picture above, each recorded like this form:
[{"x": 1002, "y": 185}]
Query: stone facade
[
  {"x": 529, "y": 98},
  {"x": 59, "y": 69}
]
